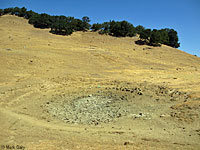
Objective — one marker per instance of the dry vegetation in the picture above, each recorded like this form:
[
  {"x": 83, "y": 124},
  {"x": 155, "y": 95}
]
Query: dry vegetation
[{"x": 150, "y": 95}]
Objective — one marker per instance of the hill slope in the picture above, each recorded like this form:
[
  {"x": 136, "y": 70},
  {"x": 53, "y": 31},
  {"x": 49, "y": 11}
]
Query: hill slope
[{"x": 41, "y": 71}]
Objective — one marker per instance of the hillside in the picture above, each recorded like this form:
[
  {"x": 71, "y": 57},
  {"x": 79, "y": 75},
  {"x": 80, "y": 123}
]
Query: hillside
[{"x": 152, "y": 93}]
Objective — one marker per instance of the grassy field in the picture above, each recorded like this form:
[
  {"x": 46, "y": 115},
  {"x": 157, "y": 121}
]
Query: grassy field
[{"x": 41, "y": 73}]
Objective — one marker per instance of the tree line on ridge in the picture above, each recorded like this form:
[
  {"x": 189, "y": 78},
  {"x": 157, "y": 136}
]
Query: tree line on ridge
[{"x": 63, "y": 25}]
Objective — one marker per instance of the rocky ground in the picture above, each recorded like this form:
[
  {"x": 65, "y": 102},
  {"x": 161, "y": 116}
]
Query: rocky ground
[{"x": 112, "y": 103}]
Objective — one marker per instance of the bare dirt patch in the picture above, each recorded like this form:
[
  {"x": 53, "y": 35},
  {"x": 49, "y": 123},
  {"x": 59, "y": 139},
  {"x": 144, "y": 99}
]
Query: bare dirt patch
[
  {"x": 88, "y": 110},
  {"x": 111, "y": 103}
]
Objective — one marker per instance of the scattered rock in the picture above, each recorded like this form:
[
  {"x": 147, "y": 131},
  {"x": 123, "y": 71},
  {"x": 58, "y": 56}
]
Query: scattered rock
[
  {"x": 88, "y": 110},
  {"x": 118, "y": 101},
  {"x": 145, "y": 116},
  {"x": 164, "y": 115},
  {"x": 179, "y": 69},
  {"x": 150, "y": 139},
  {"x": 128, "y": 143},
  {"x": 116, "y": 132},
  {"x": 147, "y": 48}
]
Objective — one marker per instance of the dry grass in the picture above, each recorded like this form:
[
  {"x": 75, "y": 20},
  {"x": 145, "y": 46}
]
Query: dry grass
[{"x": 36, "y": 65}]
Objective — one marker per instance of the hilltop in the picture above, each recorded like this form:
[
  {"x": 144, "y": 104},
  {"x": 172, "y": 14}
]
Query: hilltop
[
  {"x": 151, "y": 93},
  {"x": 62, "y": 25}
]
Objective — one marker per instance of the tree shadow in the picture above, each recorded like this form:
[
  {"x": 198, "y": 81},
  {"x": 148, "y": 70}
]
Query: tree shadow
[{"x": 141, "y": 42}]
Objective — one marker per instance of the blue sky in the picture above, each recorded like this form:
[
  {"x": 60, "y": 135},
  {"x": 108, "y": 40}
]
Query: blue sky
[{"x": 181, "y": 15}]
